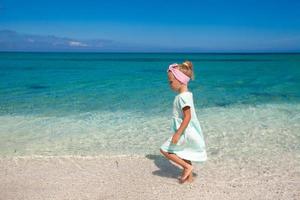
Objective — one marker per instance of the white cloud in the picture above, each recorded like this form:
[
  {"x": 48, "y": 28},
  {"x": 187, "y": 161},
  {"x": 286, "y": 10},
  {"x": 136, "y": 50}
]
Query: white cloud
[
  {"x": 30, "y": 40},
  {"x": 77, "y": 44}
]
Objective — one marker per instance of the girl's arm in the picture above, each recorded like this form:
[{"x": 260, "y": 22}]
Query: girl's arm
[{"x": 186, "y": 119}]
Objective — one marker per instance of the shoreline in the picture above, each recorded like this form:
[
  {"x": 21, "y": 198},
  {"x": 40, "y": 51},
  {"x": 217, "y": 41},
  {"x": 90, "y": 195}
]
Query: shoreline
[
  {"x": 146, "y": 177},
  {"x": 270, "y": 127}
]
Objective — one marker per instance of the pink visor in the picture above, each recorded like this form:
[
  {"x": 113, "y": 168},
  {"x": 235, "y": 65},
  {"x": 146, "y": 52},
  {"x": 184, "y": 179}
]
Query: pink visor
[{"x": 180, "y": 76}]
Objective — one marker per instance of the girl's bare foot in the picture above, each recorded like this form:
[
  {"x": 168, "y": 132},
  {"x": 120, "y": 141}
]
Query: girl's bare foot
[
  {"x": 186, "y": 173},
  {"x": 190, "y": 178}
]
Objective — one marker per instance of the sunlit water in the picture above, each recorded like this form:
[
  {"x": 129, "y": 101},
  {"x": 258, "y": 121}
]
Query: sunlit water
[{"x": 120, "y": 104}]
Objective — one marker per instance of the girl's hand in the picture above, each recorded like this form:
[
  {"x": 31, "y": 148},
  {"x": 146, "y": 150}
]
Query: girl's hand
[
  {"x": 186, "y": 119},
  {"x": 175, "y": 138}
]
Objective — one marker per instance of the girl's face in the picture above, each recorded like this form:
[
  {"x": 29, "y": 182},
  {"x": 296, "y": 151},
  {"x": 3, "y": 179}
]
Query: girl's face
[{"x": 173, "y": 82}]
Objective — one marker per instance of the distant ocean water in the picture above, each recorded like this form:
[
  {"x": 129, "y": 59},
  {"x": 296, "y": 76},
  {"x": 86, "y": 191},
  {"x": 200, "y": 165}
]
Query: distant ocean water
[{"x": 120, "y": 103}]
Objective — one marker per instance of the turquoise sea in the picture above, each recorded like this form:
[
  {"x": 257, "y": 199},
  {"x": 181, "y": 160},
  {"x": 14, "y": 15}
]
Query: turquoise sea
[{"x": 120, "y": 103}]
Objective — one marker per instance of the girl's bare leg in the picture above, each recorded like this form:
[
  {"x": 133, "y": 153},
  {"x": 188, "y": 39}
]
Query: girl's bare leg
[
  {"x": 190, "y": 177},
  {"x": 188, "y": 168}
]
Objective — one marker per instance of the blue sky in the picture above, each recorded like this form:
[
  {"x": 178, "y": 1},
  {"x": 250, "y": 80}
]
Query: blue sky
[{"x": 212, "y": 25}]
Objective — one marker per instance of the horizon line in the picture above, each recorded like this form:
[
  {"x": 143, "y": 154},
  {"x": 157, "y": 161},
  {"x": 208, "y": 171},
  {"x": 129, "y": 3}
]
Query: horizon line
[{"x": 163, "y": 52}]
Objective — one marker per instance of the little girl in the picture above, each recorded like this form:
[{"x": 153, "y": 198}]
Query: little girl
[{"x": 187, "y": 143}]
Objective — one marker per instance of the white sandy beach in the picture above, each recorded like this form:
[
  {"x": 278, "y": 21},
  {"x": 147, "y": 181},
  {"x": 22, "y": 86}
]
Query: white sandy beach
[{"x": 149, "y": 177}]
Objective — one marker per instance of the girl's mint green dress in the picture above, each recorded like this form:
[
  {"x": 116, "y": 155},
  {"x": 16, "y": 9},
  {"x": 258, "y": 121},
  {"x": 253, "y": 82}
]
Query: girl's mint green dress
[{"x": 191, "y": 145}]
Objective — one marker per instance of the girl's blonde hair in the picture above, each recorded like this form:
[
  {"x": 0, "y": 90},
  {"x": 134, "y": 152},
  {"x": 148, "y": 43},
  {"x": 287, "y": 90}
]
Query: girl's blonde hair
[{"x": 187, "y": 68}]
